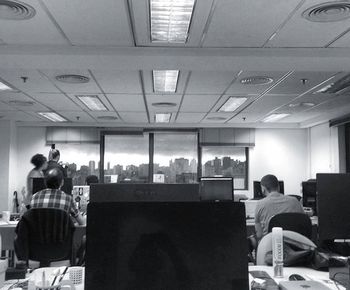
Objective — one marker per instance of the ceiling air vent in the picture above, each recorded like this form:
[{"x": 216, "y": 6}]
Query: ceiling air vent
[
  {"x": 15, "y": 10},
  {"x": 328, "y": 12},
  {"x": 339, "y": 87},
  {"x": 72, "y": 79},
  {"x": 107, "y": 118},
  {"x": 21, "y": 103},
  {"x": 256, "y": 80},
  {"x": 163, "y": 105}
]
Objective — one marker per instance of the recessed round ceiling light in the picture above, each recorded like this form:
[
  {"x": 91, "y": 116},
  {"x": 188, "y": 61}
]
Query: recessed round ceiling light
[
  {"x": 164, "y": 104},
  {"x": 305, "y": 104},
  {"x": 256, "y": 80},
  {"x": 21, "y": 103},
  {"x": 72, "y": 79},
  {"x": 107, "y": 118},
  {"x": 15, "y": 10},
  {"x": 216, "y": 118},
  {"x": 328, "y": 12}
]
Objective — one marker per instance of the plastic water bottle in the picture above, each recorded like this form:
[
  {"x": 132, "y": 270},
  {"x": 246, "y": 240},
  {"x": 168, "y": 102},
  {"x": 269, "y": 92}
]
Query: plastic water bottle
[{"x": 277, "y": 252}]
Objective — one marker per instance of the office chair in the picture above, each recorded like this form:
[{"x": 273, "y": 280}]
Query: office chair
[
  {"x": 265, "y": 244},
  {"x": 45, "y": 235},
  {"x": 292, "y": 221}
]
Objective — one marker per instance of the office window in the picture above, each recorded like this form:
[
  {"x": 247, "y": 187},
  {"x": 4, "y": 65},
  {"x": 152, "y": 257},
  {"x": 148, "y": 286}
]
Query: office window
[
  {"x": 126, "y": 158},
  {"x": 226, "y": 161},
  {"x": 81, "y": 159},
  {"x": 175, "y": 157}
]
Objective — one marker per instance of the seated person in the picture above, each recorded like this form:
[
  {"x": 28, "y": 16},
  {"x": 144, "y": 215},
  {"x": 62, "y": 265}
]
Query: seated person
[
  {"x": 273, "y": 203},
  {"x": 54, "y": 197}
]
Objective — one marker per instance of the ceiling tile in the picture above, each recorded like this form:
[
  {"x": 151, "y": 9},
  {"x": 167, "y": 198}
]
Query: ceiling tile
[
  {"x": 248, "y": 23},
  {"x": 217, "y": 118},
  {"x": 134, "y": 117},
  {"x": 34, "y": 83},
  {"x": 6, "y": 107},
  {"x": 96, "y": 115},
  {"x": 294, "y": 83},
  {"x": 20, "y": 116},
  {"x": 57, "y": 102},
  {"x": 238, "y": 88},
  {"x": 198, "y": 103},
  {"x": 90, "y": 87},
  {"x": 299, "y": 117},
  {"x": 92, "y": 23},
  {"x": 163, "y": 98},
  {"x": 7, "y": 97},
  {"x": 124, "y": 102},
  {"x": 76, "y": 116},
  {"x": 189, "y": 117},
  {"x": 299, "y": 32},
  {"x": 209, "y": 82},
  {"x": 118, "y": 81},
  {"x": 37, "y": 30},
  {"x": 245, "y": 117}
]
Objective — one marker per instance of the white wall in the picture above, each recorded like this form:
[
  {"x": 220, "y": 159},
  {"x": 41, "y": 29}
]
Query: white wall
[
  {"x": 282, "y": 152},
  {"x": 324, "y": 150},
  {"x": 7, "y": 164}
]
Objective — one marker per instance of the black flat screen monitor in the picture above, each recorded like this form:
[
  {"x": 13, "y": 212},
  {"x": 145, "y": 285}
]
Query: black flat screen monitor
[
  {"x": 115, "y": 192},
  {"x": 159, "y": 245},
  {"x": 40, "y": 184},
  {"x": 257, "y": 189},
  {"x": 309, "y": 194},
  {"x": 333, "y": 200},
  {"x": 216, "y": 188}
]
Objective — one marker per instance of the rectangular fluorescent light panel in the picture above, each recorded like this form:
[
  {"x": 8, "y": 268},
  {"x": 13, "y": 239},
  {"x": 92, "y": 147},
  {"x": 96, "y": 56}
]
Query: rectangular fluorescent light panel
[
  {"x": 165, "y": 81},
  {"x": 54, "y": 117},
  {"x": 4, "y": 87},
  {"x": 162, "y": 118},
  {"x": 274, "y": 117},
  {"x": 92, "y": 102},
  {"x": 232, "y": 104},
  {"x": 170, "y": 20}
]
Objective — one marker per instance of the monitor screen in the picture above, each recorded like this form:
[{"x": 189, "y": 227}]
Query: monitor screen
[
  {"x": 115, "y": 192},
  {"x": 257, "y": 189},
  {"x": 216, "y": 188},
  {"x": 333, "y": 200},
  {"x": 40, "y": 184},
  {"x": 159, "y": 245}
]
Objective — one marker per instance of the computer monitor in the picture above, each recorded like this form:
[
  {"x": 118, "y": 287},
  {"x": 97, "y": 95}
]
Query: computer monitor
[
  {"x": 166, "y": 245},
  {"x": 40, "y": 184},
  {"x": 309, "y": 189},
  {"x": 257, "y": 189},
  {"x": 115, "y": 192},
  {"x": 333, "y": 200},
  {"x": 216, "y": 188}
]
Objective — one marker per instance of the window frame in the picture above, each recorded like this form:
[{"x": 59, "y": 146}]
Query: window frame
[
  {"x": 246, "y": 150},
  {"x": 151, "y": 133}
]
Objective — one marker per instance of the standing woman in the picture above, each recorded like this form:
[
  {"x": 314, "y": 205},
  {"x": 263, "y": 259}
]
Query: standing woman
[{"x": 40, "y": 163}]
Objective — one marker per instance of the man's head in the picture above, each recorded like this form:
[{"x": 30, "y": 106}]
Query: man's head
[
  {"x": 56, "y": 155},
  {"x": 54, "y": 178},
  {"x": 269, "y": 183}
]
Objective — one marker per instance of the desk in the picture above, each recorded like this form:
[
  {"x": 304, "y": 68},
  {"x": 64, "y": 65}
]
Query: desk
[{"x": 307, "y": 273}]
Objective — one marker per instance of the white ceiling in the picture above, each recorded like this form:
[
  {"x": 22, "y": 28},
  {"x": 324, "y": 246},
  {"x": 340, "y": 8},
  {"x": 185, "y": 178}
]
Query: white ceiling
[{"x": 109, "y": 42}]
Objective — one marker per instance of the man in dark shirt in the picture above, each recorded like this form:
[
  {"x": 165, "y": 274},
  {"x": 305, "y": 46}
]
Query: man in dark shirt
[{"x": 53, "y": 163}]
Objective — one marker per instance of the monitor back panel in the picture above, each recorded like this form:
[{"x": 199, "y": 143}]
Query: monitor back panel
[
  {"x": 158, "y": 245},
  {"x": 333, "y": 200},
  {"x": 115, "y": 192}
]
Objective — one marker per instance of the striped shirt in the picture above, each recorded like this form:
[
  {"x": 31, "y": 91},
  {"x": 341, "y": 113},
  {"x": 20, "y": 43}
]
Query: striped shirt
[{"x": 54, "y": 198}]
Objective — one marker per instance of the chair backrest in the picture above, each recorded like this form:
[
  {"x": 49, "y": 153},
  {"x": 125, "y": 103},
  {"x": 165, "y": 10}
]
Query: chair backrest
[
  {"x": 44, "y": 235},
  {"x": 265, "y": 244},
  {"x": 296, "y": 222}
]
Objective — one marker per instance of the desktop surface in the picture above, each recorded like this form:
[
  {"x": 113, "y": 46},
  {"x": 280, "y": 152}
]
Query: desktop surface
[{"x": 159, "y": 245}]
